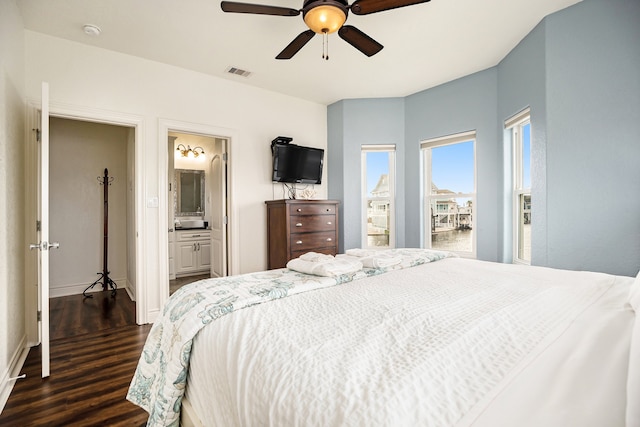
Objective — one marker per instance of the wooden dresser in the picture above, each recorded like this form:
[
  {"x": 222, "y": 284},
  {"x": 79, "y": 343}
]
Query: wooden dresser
[{"x": 295, "y": 227}]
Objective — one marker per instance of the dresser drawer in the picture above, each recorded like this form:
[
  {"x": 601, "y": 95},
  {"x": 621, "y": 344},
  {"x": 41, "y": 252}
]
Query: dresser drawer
[
  {"x": 312, "y": 209},
  {"x": 305, "y": 223},
  {"x": 308, "y": 241}
]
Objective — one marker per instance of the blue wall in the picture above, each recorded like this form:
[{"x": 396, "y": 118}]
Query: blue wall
[
  {"x": 521, "y": 84},
  {"x": 462, "y": 105},
  {"x": 336, "y": 170},
  {"x": 593, "y": 136},
  {"x": 579, "y": 72},
  {"x": 353, "y": 123}
]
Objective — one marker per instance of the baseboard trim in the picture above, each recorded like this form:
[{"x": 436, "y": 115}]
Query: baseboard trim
[
  {"x": 12, "y": 371},
  {"x": 131, "y": 291}
]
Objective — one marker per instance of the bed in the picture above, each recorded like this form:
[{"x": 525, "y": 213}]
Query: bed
[{"x": 430, "y": 340}]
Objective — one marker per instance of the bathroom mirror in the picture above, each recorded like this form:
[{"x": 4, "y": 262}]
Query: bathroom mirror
[{"x": 189, "y": 192}]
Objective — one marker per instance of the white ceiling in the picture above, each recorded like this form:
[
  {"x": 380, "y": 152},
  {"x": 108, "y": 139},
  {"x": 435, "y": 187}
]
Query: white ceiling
[{"x": 424, "y": 45}]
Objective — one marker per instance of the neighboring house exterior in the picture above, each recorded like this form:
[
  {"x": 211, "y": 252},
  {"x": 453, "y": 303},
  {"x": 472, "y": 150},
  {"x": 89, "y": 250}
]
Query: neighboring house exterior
[
  {"x": 448, "y": 215},
  {"x": 378, "y": 213}
]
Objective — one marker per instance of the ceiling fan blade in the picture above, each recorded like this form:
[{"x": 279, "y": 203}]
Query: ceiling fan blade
[
  {"x": 365, "y": 7},
  {"x": 359, "y": 40},
  {"x": 258, "y": 9},
  {"x": 297, "y": 44}
]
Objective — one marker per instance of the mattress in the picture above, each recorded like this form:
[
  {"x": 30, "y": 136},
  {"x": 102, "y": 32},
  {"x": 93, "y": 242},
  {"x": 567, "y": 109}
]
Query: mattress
[{"x": 455, "y": 342}]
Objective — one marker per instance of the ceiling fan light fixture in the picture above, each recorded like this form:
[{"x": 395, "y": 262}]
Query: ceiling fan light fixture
[{"x": 326, "y": 18}]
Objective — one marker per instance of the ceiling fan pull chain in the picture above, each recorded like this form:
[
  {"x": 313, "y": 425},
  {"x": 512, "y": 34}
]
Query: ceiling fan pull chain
[
  {"x": 327, "y": 36},
  {"x": 324, "y": 35}
]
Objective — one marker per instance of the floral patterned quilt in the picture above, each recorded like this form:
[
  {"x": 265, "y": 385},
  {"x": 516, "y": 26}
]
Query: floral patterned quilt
[{"x": 159, "y": 382}]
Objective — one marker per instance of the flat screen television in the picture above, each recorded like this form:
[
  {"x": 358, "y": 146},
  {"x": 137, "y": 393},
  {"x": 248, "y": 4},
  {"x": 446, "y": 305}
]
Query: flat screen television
[{"x": 297, "y": 164}]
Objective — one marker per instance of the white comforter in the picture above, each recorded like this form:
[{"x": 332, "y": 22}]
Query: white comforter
[
  {"x": 452, "y": 343},
  {"x": 159, "y": 381}
]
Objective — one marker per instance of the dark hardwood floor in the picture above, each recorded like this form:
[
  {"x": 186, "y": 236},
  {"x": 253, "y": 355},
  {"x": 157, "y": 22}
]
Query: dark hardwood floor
[
  {"x": 95, "y": 347},
  {"x": 176, "y": 284}
]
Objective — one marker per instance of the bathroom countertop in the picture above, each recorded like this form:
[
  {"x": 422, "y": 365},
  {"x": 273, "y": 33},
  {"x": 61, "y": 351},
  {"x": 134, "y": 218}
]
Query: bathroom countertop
[{"x": 190, "y": 228}]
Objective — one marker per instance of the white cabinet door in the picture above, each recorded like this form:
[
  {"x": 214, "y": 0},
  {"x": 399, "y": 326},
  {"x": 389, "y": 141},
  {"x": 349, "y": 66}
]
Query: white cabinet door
[
  {"x": 204, "y": 255},
  {"x": 192, "y": 252},
  {"x": 186, "y": 257}
]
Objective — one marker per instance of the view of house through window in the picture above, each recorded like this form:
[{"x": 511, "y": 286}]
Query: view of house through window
[
  {"x": 520, "y": 126},
  {"x": 378, "y": 177},
  {"x": 450, "y": 193}
]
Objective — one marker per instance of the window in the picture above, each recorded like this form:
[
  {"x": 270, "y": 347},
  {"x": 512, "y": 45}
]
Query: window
[
  {"x": 450, "y": 193},
  {"x": 378, "y": 188},
  {"x": 520, "y": 126}
]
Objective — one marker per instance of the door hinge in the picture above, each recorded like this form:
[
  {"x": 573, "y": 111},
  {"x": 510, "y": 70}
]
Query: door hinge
[
  {"x": 224, "y": 157},
  {"x": 38, "y": 134},
  {"x": 39, "y": 316},
  {"x": 38, "y": 225},
  {"x": 225, "y": 220}
]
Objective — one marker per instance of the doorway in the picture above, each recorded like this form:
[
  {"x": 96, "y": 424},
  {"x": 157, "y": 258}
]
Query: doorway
[
  {"x": 136, "y": 221},
  {"x": 197, "y": 207},
  {"x": 80, "y": 151},
  {"x": 92, "y": 200}
]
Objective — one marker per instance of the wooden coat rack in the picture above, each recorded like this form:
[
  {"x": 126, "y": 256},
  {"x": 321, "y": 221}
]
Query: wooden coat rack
[{"x": 104, "y": 278}]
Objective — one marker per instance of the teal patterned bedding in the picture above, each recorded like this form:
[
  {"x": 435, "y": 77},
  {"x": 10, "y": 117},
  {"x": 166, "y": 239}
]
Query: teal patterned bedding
[{"x": 159, "y": 382}]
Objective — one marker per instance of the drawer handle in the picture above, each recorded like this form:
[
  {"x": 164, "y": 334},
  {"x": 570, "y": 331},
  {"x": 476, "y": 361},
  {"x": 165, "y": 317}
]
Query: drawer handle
[
  {"x": 328, "y": 209},
  {"x": 298, "y": 224},
  {"x": 299, "y": 242},
  {"x": 299, "y": 209},
  {"x": 195, "y": 235},
  {"x": 328, "y": 239},
  {"x": 328, "y": 222}
]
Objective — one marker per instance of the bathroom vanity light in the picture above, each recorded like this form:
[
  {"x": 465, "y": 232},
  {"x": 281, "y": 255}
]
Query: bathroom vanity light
[{"x": 190, "y": 152}]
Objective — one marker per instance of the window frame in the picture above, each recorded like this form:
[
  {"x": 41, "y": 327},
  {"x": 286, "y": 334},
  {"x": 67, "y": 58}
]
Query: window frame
[
  {"x": 391, "y": 150},
  {"x": 425, "y": 147},
  {"x": 515, "y": 124}
]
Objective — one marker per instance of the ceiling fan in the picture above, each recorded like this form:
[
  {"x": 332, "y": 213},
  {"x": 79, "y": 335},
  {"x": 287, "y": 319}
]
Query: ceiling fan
[{"x": 325, "y": 17}]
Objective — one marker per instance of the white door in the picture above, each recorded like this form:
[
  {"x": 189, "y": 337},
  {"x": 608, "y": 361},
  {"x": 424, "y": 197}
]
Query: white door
[
  {"x": 171, "y": 152},
  {"x": 43, "y": 246},
  {"x": 219, "y": 217}
]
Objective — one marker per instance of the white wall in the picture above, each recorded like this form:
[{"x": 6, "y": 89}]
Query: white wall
[
  {"x": 85, "y": 76},
  {"x": 79, "y": 153},
  {"x": 12, "y": 213}
]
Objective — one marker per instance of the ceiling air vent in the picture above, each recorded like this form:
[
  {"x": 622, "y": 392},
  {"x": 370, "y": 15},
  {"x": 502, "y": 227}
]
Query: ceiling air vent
[{"x": 238, "y": 71}]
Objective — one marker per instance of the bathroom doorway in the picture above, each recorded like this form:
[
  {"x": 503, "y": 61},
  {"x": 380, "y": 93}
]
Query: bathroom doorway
[{"x": 196, "y": 207}]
